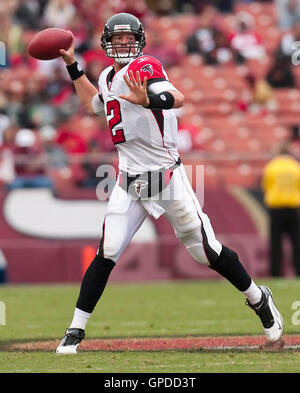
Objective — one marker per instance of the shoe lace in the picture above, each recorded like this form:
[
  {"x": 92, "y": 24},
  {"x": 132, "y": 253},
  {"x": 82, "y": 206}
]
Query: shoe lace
[
  {"x": 263, "y": 311},
  {"x": 72, "y": 338}
]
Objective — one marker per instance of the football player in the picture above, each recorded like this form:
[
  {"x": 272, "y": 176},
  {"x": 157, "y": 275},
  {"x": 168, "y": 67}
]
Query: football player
[{"x": 139, "y": 101}]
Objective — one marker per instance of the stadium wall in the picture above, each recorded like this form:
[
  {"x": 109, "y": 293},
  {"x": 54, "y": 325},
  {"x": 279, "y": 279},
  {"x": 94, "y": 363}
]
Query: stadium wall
[{"x": 46, "y": 239}]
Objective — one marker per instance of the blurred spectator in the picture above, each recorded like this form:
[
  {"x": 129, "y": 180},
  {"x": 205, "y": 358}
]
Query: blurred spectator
[
  {"x": 15, "y": 109},
  {"x": 285, "y": 47},
  {"x": 189, "y": 137},
  {"x": 295, "y": 132},
  {"x": 57, "y": 95},
  {"x": 7, "y": 169},
  {"x": 212, "y": 44},
  {"x": 92, "y": 51},
  {"x": 98, "y": 140},
  {"x": 56, "y": 83},
  {"x": 224, "y": 6},
  {"x": 288, "y": 13},
  {"x": 21, "y": 60},
  {"x": 280, "y": 74},
  {"x": 202, "y": 41},
  {"x": 222, "y": 52},
  {"x": 163, "y": 51},
  {"x": 103, "y": 135},
  {"x": 4, "y": 124},
  {"x": 92, "y": 71},
  {"x": 210, "y": 38},
  {"x": 30, "y": 162},
  {"x": 57, "y": 157},
  {"x": 28, "y": 14},
  {"x": 9, "y": 136},
  {"x": 93, "y": 12},
  {"x": 69, "y": 139},
  {"x": 135, "y": 7},
  {"x": 161, "y": 7},
  {"x": 244, "y": 39},
  {"x": 10, "y": 31},
  {"x": 59, "y": 13},
  {"x": 39, "y": 95},
  {"x": 43, "y": 4},
  {"x": 295, "y": 141},
  {"x": 281, "y": 184},
  {"x": 258, "y": 98},
  {"x": 84, "y": 172},
  {"x": 80, "y": 29},
  {"x": 191, "y": 6},
  {"x": 262, "y": 93}
]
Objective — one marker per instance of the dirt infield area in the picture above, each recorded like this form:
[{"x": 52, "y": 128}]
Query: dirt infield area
[{"x": 289, "y": 342}]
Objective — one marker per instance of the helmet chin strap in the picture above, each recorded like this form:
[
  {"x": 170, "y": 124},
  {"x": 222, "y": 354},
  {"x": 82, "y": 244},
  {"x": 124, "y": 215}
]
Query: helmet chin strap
[{"x": 124, "y": 60}]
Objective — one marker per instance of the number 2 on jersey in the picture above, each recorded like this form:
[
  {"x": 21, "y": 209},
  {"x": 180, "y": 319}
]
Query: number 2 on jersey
[{"x": 113, "y": 109}]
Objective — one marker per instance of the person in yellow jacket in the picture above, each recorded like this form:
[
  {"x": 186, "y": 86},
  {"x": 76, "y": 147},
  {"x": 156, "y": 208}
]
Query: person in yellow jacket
[{"x": 281, "y": 186}]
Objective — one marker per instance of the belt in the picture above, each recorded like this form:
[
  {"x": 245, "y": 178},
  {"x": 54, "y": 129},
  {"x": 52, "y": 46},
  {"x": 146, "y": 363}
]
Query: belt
[
  {"x": 177, "y": 163},
  {"x": 147, "y": 184}
]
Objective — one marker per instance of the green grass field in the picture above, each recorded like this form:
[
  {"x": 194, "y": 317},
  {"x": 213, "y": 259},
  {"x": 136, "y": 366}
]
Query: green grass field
[{"x": 165, "y": 309}]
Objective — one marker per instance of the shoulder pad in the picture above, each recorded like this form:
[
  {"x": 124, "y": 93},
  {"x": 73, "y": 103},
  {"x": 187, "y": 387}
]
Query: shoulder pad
[{"x": 149, "y": 67}]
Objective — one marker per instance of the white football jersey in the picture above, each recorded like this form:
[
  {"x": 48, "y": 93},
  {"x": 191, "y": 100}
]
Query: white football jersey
[{"x": 146, "y": 139}]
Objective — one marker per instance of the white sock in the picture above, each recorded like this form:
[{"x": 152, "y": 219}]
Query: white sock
[
  {"x": 253, "y": 293},
  {"x": 80, "y": 319}
]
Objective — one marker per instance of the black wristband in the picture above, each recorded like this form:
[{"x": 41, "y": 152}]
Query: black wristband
[
  {"x": 75, "y": 71},
  {"x": 164, "y": 100}
]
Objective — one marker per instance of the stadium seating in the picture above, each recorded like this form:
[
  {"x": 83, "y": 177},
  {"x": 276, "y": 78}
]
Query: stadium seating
[
  {"x": 213, "y": 94},
  {"x": 218, "y": 98},
  {"x": 237, "y": 133}
]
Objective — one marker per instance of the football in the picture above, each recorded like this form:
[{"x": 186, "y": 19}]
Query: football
[{"x": 46, "y": 44}]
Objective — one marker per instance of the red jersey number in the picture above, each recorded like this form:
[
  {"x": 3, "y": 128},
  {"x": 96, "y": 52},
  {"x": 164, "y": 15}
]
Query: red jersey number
[{"x": 113, "y": 109}]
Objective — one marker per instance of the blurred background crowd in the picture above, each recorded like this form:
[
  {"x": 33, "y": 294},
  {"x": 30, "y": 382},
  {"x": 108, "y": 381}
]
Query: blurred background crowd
[{"x": 234, "y": 61}]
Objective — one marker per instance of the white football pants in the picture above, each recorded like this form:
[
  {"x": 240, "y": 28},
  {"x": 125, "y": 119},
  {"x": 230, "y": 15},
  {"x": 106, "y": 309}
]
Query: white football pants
[{"x": 125, "y": 215}]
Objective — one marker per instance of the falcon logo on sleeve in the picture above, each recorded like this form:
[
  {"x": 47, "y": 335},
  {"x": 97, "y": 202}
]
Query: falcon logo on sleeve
[{"x": 147, "y": 68}]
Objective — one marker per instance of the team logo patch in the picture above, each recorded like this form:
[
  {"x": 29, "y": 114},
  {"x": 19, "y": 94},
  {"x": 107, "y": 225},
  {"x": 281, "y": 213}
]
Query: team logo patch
[
  {"x": 147, "y": 68},
  {"x": 140, "y": 185}
]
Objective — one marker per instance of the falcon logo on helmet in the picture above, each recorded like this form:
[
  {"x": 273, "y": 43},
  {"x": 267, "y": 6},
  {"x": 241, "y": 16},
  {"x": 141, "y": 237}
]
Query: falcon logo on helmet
[
  {"x": 123, "y": 23},
  {"x": 147, "y": 68}
]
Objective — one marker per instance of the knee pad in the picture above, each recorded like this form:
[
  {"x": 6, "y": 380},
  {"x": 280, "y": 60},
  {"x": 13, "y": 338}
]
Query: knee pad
[
  {"x": 113, "y": 237},
  {"x": 197, "y": 245},
  {"x": 183, "y": 216},
  {"x": 198, "y": 253}
]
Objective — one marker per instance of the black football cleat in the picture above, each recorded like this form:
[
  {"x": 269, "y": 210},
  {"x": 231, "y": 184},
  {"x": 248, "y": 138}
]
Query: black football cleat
[
  {"x": 269, "y": 315},
  {"x": 70, "y": 342}
]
